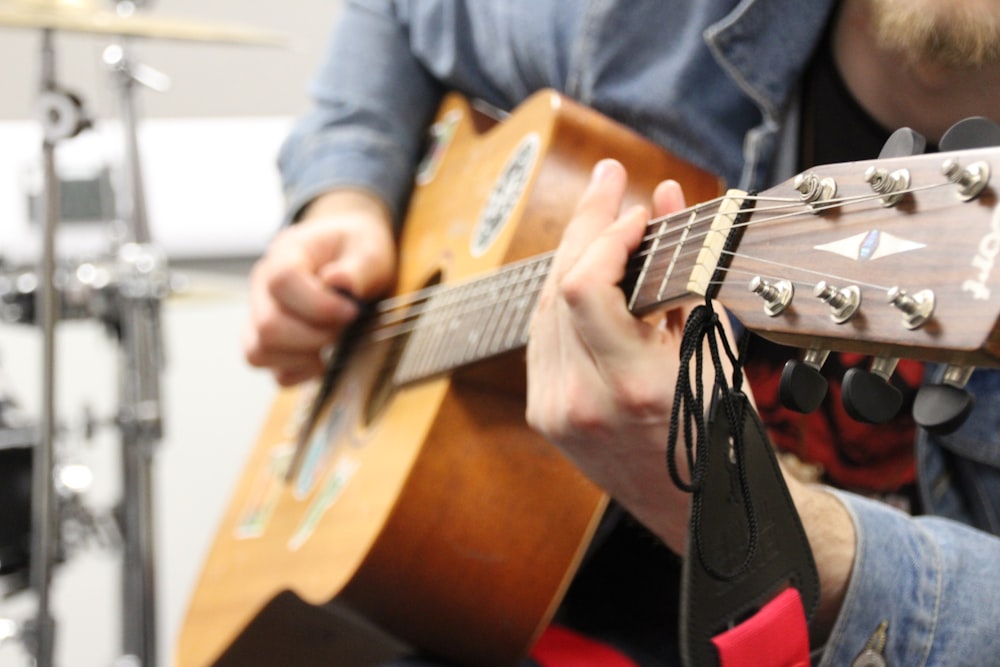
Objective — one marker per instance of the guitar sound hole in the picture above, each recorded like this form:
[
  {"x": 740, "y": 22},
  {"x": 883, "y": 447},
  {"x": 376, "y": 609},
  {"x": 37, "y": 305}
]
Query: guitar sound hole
[{"x": 384, "y": 386}]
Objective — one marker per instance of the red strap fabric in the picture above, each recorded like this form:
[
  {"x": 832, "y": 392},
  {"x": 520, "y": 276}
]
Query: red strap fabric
[
  {"x": 776, "y": 636},
  {"x": 561, "y": 647}
]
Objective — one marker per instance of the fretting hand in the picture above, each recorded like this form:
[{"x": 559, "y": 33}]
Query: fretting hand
[{"x": 600, "y": 380}]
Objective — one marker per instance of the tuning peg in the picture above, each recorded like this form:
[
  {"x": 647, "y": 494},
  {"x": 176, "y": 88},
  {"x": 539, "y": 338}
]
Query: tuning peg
[
  {"x": 904, "y": 142},
  {"x": 893, "y": 186},
  {"x": 975, "y": 132},
  {"x": 803, "y": 387},
  {"x": 776, "y": 295},
  {"x": 942, "y": 408},
  {"x": 868, "y": 395},
  {"x": 971, "y": 179},
  {"x": 843, "y": 301},
  {"x": 815, "y": 191},
  {"x": 916, "y": 309}
]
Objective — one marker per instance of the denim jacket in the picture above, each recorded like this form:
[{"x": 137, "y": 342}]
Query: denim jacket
[{"x": 713, "y": 81}]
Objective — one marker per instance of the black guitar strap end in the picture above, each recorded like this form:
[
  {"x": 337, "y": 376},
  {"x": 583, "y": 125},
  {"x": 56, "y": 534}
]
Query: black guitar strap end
[{"x": 746, "y": 543}]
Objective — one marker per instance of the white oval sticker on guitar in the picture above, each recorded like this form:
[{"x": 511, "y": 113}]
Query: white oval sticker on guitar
[{"x": 505, "y": 195}]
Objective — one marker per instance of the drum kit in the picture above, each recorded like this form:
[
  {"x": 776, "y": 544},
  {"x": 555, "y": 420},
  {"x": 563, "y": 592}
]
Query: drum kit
[{"x": 123, "y": 290}]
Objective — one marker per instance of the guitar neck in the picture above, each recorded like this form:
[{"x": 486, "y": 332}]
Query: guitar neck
[
  {"x": 452, "y": 326},
  {"x": 884, "y": 278}
]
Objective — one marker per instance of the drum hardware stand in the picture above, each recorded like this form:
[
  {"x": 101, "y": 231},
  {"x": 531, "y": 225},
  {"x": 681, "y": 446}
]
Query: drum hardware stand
[
  {"x": 61, "y": 116},
  {"x": 126, "y": 295},
  {"x": 143, "y": 282}
]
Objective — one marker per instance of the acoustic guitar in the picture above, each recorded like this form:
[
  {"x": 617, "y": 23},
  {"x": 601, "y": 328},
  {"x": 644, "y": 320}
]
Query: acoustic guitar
[
  {"x": 417, "y": 510},
  {"x": 420, "y": 510}
]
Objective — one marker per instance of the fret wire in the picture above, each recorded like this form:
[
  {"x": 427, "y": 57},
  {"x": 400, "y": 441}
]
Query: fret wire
[
  {"x": 450, "y": 301},
  {"x": 486, "y": 316},
  {"x": 500, "y": 328},
  {"x": 513, "y": 289},
  {"x": 676, "y": 254},
  {"x": 430, "y": 319},
  {"x": 651, "y": 253},
  {"x": 526, "y": 305},
  {"x": 448, "y": 309}
]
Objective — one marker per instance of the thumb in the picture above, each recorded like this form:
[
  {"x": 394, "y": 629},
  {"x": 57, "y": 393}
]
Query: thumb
[{"x": 364, "y": 272}]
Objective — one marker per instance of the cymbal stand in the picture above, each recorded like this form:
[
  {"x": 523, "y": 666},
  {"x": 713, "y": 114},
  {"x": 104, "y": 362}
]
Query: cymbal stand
[
  {"x": 143, "y": 283},
  {"x": 61, "y": 117}
]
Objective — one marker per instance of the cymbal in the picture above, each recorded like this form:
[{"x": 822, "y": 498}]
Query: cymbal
[{"x": 81, "y": 16}]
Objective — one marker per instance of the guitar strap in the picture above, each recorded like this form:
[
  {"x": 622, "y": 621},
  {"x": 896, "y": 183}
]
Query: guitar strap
[{"x": 748, "y": 574}]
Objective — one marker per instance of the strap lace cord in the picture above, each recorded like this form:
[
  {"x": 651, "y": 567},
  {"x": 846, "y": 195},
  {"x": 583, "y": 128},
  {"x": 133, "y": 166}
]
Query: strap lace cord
[{"x": 703, "y": 326}]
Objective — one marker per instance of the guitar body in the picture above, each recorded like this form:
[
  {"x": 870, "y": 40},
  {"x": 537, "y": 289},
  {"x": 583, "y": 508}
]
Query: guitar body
[{"x": 425, "y": 515}]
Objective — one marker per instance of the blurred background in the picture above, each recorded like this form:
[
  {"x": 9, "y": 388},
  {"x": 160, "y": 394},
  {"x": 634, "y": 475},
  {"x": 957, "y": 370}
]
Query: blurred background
[{"x": 208, "y": 147}]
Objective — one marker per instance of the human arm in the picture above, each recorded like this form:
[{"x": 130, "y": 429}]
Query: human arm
[
  {"x": 372, "y": 101},
  {"x": 931, "y": 581},
  {"x": 601, "y": 386},
  {"x": 600, "y": 382},
  {"x": 347, "y": 168}
]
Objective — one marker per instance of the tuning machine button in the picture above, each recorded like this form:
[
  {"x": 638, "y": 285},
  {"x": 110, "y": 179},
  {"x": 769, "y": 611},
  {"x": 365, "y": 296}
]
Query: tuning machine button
[
  {"x": 941, "y": 408},
  {"x": 974, "y": 132},
  {"x": 843, "y": 302},
  {"x": 868, "y": 396},
  {"x": 803, "y": 387},
  {"x": 776, "y": 295},
  {"x": 904, "y": 142}
]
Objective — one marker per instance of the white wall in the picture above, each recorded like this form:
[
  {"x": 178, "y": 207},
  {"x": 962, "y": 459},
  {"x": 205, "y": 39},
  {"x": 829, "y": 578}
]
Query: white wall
[{"x": 213, "y": 403}]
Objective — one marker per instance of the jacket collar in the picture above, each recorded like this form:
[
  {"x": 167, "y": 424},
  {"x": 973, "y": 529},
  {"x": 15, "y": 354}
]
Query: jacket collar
[{"x": 764, "y": 45}]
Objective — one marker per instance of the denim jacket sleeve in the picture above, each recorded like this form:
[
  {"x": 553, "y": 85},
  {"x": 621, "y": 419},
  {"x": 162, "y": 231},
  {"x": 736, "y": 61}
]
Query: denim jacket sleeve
[
  {"x": 933, "y": 579},
  {"x": 929, "y": 583},
  {"x": 372, "y": 100}
]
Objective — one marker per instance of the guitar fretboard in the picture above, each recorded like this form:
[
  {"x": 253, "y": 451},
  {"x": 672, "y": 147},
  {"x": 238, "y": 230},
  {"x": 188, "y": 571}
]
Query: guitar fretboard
[
  {"x": 472, "y": 321},
  {"x": 456, "y": 325}
]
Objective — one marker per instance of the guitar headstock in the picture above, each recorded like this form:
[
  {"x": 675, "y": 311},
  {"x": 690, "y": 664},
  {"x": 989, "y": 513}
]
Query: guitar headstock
[{"x": 889, "y": 257}]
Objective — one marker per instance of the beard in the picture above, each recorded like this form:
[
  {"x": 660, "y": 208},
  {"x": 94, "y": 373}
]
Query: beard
[{"x": 962, "y": 34}]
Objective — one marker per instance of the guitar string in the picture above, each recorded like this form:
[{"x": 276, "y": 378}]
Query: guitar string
[
  {"x": 794, "y": 207},
  {"x": 435, "y": 359},
  {"x": 417, "y": 304},
  {"x": 411, "y": 300},
  {"x": 422, "y": 295},
  {"x": 400, "y": 327}
]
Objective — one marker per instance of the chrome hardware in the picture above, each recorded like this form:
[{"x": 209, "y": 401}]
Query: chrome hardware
[
  {"x": 884, "y": 367},
  {"x": 776, "y": 295},
  {"x": 815, "y": 357},
  {"x": 971, "y": 180},
  {"x": 957, "y": 376},
  {"x": 843, "y": 302},
  {"x": 892, "y": 186},
  {"x": 814, "y": 190},
  {"x": 916, "y": 309}
]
